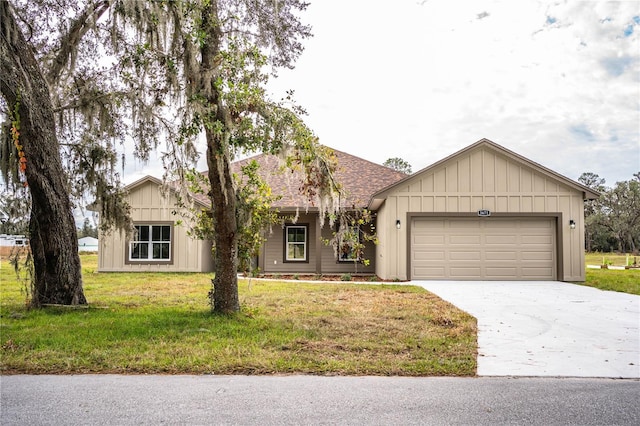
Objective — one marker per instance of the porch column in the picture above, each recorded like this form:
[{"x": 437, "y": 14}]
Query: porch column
[
  {"x": 262, "y": 256},
  {"x": 318, "y": 246}
]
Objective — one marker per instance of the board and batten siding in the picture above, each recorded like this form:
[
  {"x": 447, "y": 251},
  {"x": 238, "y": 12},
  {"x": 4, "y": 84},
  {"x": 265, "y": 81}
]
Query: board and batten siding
[
  {"x": 148, "y": 206},
  {"x": 332, "y": 266},
  {"x": 480, "y": 179},
  {"x": 272, "y": 254}
]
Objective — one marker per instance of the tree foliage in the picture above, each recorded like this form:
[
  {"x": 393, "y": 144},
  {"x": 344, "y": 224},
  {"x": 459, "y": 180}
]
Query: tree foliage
[
  {"x": 90, "y": 104},
  {"x": 398, "y": 164},
  {"x": 613, "y": 220},
  {"x": 355, "y": 229},
  {"x": 87, "y": 229},
  {"x": 14, "y": 212}
]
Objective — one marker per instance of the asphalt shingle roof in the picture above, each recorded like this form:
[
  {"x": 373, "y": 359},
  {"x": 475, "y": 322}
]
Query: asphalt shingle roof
[{"x": 360, "y": 179}]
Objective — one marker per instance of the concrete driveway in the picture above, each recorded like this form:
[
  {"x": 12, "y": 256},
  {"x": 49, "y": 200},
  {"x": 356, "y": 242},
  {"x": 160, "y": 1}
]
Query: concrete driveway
[{"x": 544, "y": 328}]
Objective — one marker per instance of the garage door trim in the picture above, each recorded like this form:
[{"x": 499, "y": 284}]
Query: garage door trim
[{"x": 444, "y": 215}]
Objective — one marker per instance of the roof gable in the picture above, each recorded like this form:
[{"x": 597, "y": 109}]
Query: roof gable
[
  {"x": 465, "y": 154},
  {"x": 134, "y": 185},
  {"x": 199, "y": 199}
]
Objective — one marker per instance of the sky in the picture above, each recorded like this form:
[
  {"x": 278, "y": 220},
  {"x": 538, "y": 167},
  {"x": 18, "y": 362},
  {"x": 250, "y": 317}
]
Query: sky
[{"x": 555, "y": 81}]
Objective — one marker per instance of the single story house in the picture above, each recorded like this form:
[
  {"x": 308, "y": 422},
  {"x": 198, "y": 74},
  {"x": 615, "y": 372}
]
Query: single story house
[
  {"x": 87, "y": 244},
  {"x": 10, "y": 243},
  {"x": 484, "y": 212}
]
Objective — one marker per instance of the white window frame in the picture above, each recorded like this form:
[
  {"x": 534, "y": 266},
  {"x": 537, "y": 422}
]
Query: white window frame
[
  {"x": 150, "y": 244},
  {"x": 288, "y": 243}
]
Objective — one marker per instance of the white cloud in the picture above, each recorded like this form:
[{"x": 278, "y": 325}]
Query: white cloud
[{"x": 558, "y": 82}]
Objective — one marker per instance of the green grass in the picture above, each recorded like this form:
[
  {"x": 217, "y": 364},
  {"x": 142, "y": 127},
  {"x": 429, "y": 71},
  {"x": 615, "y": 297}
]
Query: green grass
[
  {"x": 625, "y": 281},
  {"x": 161, "y": 323}
]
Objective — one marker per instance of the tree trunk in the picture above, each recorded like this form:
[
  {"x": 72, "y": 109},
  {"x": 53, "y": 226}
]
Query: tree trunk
[
  {"x": 223, "y": 202},
  {"x": 223, "y": 194},
  {"x": 53, "y": 236}
]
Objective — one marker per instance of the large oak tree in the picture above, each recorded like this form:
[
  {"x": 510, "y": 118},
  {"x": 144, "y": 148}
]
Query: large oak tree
[
  {"x": 52, "y": 229},
  {"x": 96, "y": 73}
]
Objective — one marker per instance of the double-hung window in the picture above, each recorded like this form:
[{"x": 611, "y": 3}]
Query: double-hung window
[
  {"x": 296, "y": 243},
  {"x": 151, "y": 243}
]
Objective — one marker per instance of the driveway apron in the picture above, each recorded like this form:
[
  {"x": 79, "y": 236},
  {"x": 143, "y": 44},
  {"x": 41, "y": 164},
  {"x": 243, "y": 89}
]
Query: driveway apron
[{"x": 536, "y": 328}]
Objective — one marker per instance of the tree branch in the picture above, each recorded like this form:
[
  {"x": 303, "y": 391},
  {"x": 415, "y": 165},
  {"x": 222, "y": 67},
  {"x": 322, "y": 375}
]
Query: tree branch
[
  {"x": 69, "y": 42},
  {"x": 77, "y": 103}
]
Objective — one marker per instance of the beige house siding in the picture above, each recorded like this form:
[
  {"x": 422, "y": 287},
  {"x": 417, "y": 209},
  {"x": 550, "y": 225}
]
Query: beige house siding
[
  {"x": 386, "y": 239},
  {"x": 481, "y": 178},
  {"x": 148, "y": 206}
]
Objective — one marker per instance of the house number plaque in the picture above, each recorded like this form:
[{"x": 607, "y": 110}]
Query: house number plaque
[{"x": 485, "y": 213}]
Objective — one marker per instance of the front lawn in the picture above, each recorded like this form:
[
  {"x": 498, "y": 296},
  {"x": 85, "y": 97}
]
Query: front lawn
[
  {"x": 625, "y": 281},
  {"x": 160, "y": 323}
]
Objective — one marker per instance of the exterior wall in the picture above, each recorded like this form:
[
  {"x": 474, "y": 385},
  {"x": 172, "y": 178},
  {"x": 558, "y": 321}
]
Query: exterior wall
[
  {"x": 320, "y": 257},
  {"x": 383, "y": 253},
  {"x": 148, "y": 206},
  {"x": 330, "y": 265},
  {"x": 481, "y": 179},
  {"x": 272, "y": 254}
]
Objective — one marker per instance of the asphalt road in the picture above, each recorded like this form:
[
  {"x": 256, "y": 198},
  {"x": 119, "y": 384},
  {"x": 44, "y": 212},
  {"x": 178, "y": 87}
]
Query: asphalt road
[{"x": 311, "y": 400}]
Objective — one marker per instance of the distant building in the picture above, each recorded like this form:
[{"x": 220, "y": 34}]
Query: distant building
[
  {"x": 11, "y": 242},
  {"x": 88, "y": 244}
]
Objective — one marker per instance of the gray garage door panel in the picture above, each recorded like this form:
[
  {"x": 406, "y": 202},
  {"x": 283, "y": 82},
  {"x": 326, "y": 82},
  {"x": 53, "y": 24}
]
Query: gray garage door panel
[{"x": 483, "y": 248}]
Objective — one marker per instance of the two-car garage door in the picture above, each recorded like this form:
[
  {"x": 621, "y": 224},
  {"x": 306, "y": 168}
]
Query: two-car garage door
[{"x": 483, "y": 248}]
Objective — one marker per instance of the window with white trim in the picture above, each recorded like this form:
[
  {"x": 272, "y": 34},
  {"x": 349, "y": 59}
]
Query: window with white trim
[
  {"x": 151, "y": 243},
  {"x": 295, "y": 249}
]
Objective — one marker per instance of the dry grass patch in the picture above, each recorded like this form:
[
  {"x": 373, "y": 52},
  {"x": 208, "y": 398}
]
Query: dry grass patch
[{"x": 160, "y": 323}]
